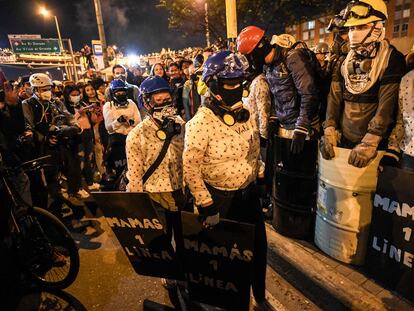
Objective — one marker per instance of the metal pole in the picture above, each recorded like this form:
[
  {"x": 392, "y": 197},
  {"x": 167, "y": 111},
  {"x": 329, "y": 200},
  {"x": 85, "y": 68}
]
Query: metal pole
[
  {"x": 231, "y": 21},
  {"x": 75, "y": 71},
  {"x": 207, "y": 24},
  {"x": 101, "y": 30},
  {"x": 61, "y": 46}
]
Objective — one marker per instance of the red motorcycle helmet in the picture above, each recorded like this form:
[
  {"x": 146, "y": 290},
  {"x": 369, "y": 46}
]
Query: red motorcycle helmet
[{"x": 249, "y": 38}]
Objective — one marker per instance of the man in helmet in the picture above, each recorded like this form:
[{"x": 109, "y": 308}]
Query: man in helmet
[
  {"x": 362, "y": 105},
  {"x": 160, "y": 134},
  {"x": 292, "y": 81},
  {"x": 121, "y": 115},
  {"x": 222, "y": 157},
  {"x": 48, "y": 123}
]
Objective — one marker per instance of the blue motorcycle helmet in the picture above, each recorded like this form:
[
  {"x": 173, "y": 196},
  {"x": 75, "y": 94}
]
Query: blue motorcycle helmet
[
  {"x": 119, "y": 93},
  {"x": 149, "y": 88},
  {"x": 225, "y": 65},
  {"x": 224, "y": 73}
]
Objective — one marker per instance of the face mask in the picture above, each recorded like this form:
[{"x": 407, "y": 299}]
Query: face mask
[
  {"x": 231, "y": 97},
  {"x": 121, "y": 76},
  {"x": 366, "y": 36},
  {"x": 74, "y": 99},
  {"x": 58, "y": 94},
  {"x": 28, "y": 91},
  {"x": 46, "y": 96},
  {"x": 166, "y": 111}
]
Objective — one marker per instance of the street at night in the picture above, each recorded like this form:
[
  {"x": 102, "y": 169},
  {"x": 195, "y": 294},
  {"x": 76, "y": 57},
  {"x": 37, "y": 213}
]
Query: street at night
[{"x": 206, "y": 155}]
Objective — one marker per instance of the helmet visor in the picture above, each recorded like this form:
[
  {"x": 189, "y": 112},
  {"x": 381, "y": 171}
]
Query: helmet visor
[{"x": 360, "y": 10}]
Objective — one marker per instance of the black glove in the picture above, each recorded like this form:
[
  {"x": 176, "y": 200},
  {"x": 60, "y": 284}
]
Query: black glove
[
  {"x": 298, "y": 142},
  {"x": 390, "y": 158},
  {"x": 122, "y": 119}
]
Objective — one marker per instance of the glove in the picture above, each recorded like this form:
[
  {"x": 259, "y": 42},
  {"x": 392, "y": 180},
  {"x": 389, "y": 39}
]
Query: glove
[
  {"x": 328, "y": 141},
  {"x": 122, "y": 119},
  {"x": 298, "y": 141},
  {"x": 209, "y": 216},
  {"x": 390, "y": 158},
  {"x": 364, "y": 152}
]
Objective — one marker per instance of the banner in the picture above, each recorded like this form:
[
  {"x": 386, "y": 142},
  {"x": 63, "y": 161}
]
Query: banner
[
  {"x": 390, "y": 255},
  {"x": 217, "y": 262},
  {"x": 140, "y": 233}
]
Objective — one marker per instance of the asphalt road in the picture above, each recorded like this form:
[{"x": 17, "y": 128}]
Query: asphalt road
[{"x": 106, "y": 281}]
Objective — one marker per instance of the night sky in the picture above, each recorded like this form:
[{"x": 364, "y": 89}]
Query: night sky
[{"x": 137, "y": 26}]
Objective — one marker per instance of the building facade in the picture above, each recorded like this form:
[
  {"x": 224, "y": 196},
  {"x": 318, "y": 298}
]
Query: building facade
[{"x": 399, "y": 27}]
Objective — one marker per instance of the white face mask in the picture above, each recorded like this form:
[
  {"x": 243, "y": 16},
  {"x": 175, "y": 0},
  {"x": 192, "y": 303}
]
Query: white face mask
[
  {"x": 75, "y": 99},
  {"x": 120, "y": 76},
  {"x": 357, "y": 37},
  {"x": 46, "y": 96}
]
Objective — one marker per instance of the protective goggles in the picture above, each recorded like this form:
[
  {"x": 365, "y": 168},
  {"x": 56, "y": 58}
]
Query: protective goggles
[{"x": 359, "y": 10}]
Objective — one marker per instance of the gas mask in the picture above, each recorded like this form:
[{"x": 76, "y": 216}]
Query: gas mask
[
  {"x": 46, "y": 96},
  {"x": 168, "y": 110},
  {"x": 168, "y": 128},
  {"x": 359, "y": 65},
  {"x": 121, "y": 100}
]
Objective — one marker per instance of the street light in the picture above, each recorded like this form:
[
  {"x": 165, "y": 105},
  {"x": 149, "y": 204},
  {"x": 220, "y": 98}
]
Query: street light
[
  {"x": 46, "y": 13},
  {"x": 206, "y": 21}
]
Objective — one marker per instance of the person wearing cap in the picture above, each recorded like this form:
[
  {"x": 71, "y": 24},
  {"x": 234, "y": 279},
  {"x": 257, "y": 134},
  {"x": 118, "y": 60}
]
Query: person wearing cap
[
  {"x": 222, "y": 157},
  {"x": 362, "y": 106},
  {"x": 292, "y": 81}
]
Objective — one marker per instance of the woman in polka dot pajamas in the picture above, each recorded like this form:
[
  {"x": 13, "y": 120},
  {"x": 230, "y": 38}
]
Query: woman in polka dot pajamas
[
  {"x": 144, "y": 144},
  {"x": 402, "y": 136},
  {"x": 222, "y": 158}
]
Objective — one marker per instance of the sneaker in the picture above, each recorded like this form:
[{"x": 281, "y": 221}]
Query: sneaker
[
  {"x": 94, "y": 186},
  {"x": 83, "y": 194}
]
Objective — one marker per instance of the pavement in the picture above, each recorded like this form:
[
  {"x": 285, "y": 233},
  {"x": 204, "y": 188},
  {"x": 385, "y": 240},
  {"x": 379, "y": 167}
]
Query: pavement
[
  {"x": 328, "y": 283},
  {"x": 299, "y": 277}
]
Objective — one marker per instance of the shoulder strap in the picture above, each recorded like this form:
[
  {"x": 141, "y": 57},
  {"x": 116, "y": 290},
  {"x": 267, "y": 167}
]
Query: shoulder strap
[{"x": 157, "y": 161}]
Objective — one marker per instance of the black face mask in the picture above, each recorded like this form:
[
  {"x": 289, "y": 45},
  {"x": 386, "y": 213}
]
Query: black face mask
[
  {"x": 121, "y": 99},
  {"x": 58, "y": 94},
  {"x": 259, "y": 54},
  {"x": 230, "y": 97}
]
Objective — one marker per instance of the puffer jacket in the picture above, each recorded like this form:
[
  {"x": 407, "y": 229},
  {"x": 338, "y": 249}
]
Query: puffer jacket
[{"x": 294, "y": 89}]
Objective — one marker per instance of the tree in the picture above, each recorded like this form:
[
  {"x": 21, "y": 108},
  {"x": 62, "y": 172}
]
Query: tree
[{"x": 188, "y": 15}]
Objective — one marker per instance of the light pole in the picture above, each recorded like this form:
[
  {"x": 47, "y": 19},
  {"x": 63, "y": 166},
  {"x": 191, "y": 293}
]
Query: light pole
[
  {"x": 46, "y": 13},
  {"x": 101, "y": 30},
  {"x": 206, "y": 22}
]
